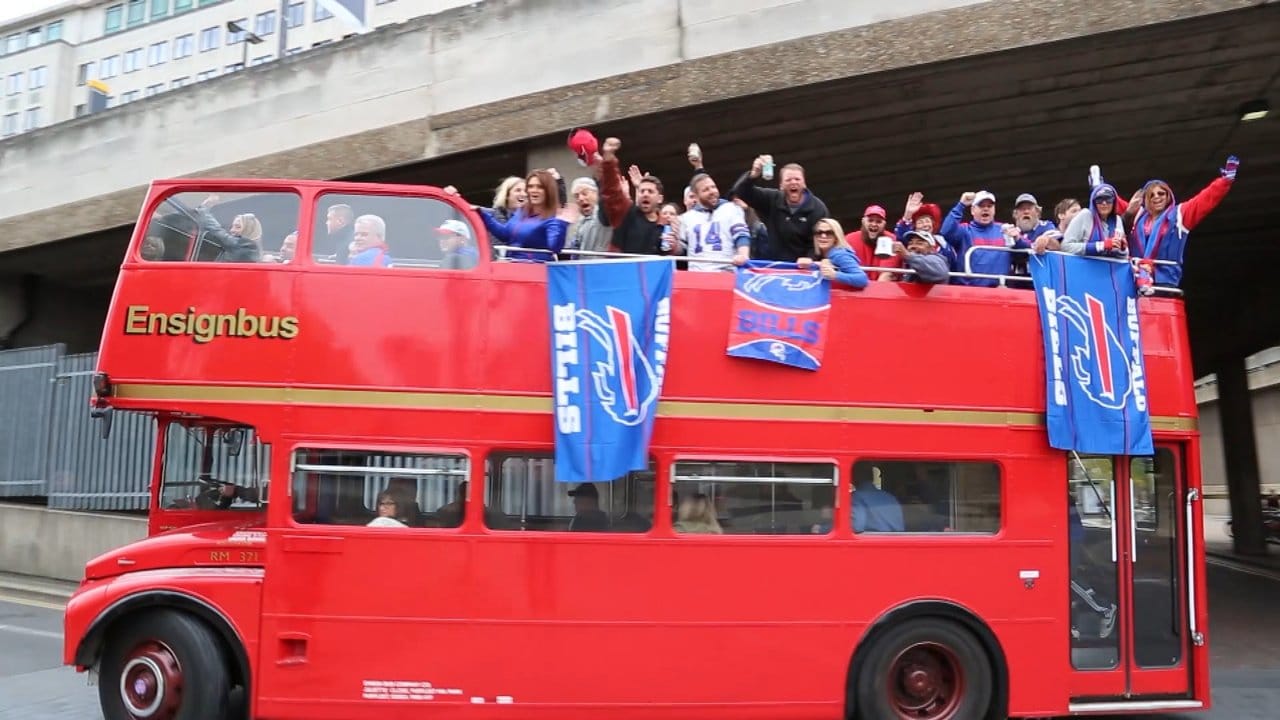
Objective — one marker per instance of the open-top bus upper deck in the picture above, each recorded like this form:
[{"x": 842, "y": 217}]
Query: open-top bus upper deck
[{"x": 419, "y": 335}]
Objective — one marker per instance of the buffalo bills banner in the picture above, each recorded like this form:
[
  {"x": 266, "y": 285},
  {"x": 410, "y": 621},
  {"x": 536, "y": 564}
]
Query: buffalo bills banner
[
  {"x": 610, "y": 329},
  {"x": 780, "y": 314},
  {"x": 1096, "y": 383}
]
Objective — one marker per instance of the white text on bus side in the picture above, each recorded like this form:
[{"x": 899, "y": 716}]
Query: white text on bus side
[
  {"x": 1135, "y": 360},
  {"x": 1055, "y": 344},
  {"x": 565, "y": 326}
]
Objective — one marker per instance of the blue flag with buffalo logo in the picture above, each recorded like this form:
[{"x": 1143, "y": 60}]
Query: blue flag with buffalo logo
[
  {"x": 780, "y": 314},
  {"x": 610, "y": 330},
  {"x": 1096, "y": 391}
]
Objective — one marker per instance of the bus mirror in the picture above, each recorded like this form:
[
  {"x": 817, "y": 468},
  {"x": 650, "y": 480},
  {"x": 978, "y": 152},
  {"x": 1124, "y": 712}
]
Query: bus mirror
[
  {"x": 104, "y": 416},
  {"x": 234, "y": 440}
]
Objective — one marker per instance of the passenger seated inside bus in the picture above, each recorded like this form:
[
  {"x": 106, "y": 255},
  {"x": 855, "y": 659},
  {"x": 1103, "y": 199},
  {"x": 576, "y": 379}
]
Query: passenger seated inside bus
[
  {"x": 874, "y": 510},
  {"x": 588, "y": 517},
  {"x": 390, "y": 511},
  {"x": 696, "y": 514}
]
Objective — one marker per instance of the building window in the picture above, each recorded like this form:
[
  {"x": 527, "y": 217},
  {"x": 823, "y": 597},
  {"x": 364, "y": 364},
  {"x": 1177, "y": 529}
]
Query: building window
[
  {"x": 321, "y": 12},
  {"x": 261, "y": 59},
  {"x": 382, "y": 2},
  {"x": 53, "y": 31},
  {"x": 265, "y": 23},
  {"x": 38, "y": 76},
  {"x": 293, "y": 51},
  {"x": 233, "y": 67},
  {"x": 154, "y": 89},
  {"x": 10, "y": 125},
  {"x": 115, "y": 18},
  {"x": 179, "y": 82},
  {"x": 133, "y": 60},
  {"x": 14, "y": 43},
  {"x": 236, "y": 37},
  {"x": 183, "y": 45},
  {"x": 209, "y": 38},
  {"x": 207, "y": 74},
  {"x": 296, "y": 15},
  {"x": 129, "y": 97},
  {"x": 82, "y": 109},
  {"x": 209, "y": 2},
  {"x": 158, "y": 53},
  {"x": 85, "y": 73},
  {"x": 34, "y": 37},
  {"x": 182, "y": 5},
  {"x": 137, "y": 12},
  {"x": 110, "y": 67},
  {"x": 159, "y": 8},
  {"x": 31, "y": 120},
  {"x": 319, "y": 43},
  {"x": 14, "y": 85}
]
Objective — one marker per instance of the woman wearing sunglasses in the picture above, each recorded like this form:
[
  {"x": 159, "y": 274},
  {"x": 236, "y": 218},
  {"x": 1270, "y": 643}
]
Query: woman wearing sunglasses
[{"x": 836, "y": 260}]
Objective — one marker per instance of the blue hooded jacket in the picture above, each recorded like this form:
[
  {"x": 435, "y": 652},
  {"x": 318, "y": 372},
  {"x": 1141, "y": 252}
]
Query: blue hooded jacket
[{"x": 962, "y": 235}]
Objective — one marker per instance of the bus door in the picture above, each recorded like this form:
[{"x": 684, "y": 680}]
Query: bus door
[{"x": 1131, "y": 602}]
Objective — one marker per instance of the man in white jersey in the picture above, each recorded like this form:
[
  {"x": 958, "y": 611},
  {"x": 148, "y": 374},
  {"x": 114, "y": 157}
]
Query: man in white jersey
[{"x": 715, "y": 229}]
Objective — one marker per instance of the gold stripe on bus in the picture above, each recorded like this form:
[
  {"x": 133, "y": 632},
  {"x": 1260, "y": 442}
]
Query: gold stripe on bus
[{"x": 542, "y": 404}]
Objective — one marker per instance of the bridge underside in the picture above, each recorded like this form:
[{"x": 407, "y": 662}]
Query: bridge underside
[{"x": 1157, "y": 102}]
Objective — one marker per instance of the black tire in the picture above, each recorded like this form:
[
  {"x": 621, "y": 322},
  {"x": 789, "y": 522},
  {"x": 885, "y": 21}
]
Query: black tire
[
  {"x": 880, "y": 692},
  {"x": 200, "y": 687}
]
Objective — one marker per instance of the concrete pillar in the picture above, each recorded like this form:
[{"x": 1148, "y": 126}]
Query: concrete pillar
[{"x": 1240, "y": 450}]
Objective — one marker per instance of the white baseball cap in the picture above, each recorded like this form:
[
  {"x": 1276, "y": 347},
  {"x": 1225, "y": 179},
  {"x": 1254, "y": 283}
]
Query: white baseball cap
[{"x": 983, "y": 196}]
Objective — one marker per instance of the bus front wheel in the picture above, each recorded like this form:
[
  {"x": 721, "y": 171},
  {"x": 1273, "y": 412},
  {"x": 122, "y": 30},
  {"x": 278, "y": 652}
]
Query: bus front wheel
[
  {"x": 164, "y": 665},
  {"x": 925, "y": 669}
]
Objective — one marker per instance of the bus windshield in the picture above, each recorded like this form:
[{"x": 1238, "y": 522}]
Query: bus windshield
[{"x": 213, "y": 468}]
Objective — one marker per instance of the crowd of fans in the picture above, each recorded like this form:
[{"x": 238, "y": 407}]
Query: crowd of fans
[
  {"x": 775, "y": 216},
  {"x": 770, "y": 214}
]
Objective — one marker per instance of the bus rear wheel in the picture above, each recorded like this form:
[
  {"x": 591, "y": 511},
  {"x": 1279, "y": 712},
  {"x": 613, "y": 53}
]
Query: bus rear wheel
[
  {"x": 165, "y": 665},
  {"x": 926, "y": 669}
]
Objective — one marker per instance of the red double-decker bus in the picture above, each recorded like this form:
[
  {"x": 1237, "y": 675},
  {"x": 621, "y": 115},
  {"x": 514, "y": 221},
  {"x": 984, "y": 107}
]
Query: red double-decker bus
[{"x": 354, "y": 512}]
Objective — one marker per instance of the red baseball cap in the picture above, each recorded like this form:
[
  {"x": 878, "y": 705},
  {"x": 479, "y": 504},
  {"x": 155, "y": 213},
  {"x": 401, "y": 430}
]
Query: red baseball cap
[
  {"x": 874, "y": 210},
  {"x": 584, "y": 145}
]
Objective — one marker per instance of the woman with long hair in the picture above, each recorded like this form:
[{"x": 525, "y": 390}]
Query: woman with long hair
[
  {"x": 509, "y": 197},
  {"x": 696, "y": 514},
  {"x": 537, "y": 225},
  {"x": 835, "y": 258}
]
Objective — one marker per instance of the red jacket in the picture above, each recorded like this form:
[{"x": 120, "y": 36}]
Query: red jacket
[{"x": 867, "y": 254}]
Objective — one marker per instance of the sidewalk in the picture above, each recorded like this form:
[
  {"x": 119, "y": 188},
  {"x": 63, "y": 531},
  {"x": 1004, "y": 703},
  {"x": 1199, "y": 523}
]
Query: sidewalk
[
  {"x": 1217, "y": 545},
  {"x": 27, "y": 587}
]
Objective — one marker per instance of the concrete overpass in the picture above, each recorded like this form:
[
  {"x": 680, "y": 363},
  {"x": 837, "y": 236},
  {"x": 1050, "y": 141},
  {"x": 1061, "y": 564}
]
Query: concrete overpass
[{"x": 875, "y": 99}]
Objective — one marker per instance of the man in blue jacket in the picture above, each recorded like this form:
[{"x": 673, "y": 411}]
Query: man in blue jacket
[{"x": 980, "y": 231}]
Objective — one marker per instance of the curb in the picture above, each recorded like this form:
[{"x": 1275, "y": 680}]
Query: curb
[
  {"x": 1246, "y": 560},
  {"x": 45, "y": 590}
]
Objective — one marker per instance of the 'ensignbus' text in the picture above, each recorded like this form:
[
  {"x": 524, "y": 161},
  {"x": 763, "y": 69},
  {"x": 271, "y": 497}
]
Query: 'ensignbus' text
[{"x": 204, "y": 327}]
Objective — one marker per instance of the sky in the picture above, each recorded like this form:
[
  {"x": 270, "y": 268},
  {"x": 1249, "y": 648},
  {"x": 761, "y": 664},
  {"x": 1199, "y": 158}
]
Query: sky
[{"x": 10, "y": 9}]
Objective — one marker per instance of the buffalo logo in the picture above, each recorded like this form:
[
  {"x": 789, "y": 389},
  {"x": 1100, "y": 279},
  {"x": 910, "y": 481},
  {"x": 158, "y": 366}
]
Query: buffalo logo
[
  {"x": 625, "y": 381},
  {"x": 1098, "y": 358},
  {"x": 785, "y": 281}
]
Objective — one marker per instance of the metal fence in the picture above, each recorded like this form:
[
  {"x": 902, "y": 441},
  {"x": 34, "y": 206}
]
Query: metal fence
[
  {"x": 26, "y": 382},
  {"x": 51, "y": 448},
  {"x": 86, "y": 472}
]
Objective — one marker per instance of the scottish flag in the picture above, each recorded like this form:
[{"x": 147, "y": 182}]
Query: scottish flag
[
  {"x": 780, "y": 314},
  {"x": 1096, "y": 383},
  {"x": 610, "y": 329}
]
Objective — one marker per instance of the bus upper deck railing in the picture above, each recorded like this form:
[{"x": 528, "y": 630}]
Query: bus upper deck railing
[
  {"x": 968, "y": 274},
  {"x": 968, "y": 266},
  {"x": 502, "y": 253}
]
